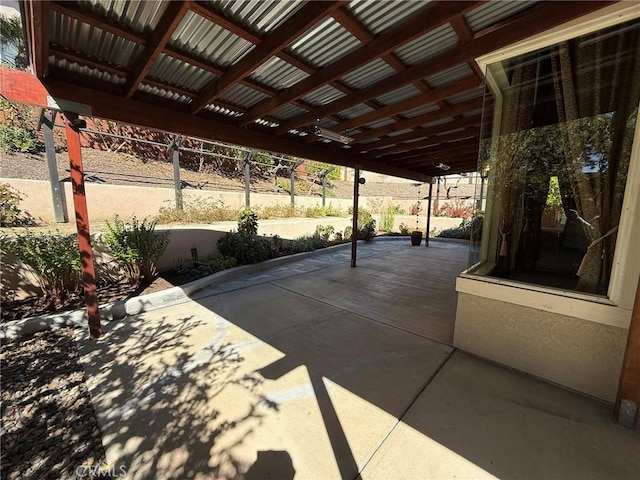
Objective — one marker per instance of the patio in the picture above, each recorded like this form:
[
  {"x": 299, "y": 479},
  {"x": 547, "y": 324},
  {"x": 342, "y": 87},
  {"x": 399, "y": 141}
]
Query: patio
[{"x": 316, "y": 370}]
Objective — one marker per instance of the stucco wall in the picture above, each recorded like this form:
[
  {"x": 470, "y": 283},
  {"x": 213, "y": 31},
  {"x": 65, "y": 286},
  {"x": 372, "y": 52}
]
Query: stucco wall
[
  {"x": 104, "y": 201},
  {"x": 583, "y": 355}
]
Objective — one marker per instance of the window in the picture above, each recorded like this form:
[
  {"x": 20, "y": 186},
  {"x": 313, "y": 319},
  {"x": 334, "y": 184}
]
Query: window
[{"x": 558, "y": 153}]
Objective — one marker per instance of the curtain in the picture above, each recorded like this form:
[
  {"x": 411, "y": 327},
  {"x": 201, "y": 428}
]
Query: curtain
[{"x": 597, "y": 89}]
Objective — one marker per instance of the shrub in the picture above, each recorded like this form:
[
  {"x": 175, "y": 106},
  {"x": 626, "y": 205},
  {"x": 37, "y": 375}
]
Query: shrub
[
  {"x": 10, "y": 213},
  {"x": 388, "y": 217},
  {"x": 456, "y": 209},
  {"x": 366, "y": 225},
  {"x": 308, "y": 243},
  {"x": 54, "y": 258},
  {"x": 244, "y": 245},
  {"x": 465, "y": 229},
  {"x": 404, "y": 229},
  {"x": 17, "y": 132},
  {"x": 136, "y": 247},
  {"x": 248, "y": 222},
  {"x": 214, "y": 263},
  {"x": 325, "y": 232}
]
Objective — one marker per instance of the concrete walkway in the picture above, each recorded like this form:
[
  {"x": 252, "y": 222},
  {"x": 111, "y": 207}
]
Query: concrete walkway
[{"x": 315, "y": 370}]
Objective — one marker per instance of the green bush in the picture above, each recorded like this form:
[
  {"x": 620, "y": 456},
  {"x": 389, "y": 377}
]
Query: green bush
[
  {"x": 248, "y": 222},
  {"x": 465, "y": 229},
  {"x": 244, "y": 245},
  {"x": 308, "y": 243},
  {"x": 10, "y": 213},
  {"x": 389, "y": 216},
  {"x": 366, "y": 225},
  {"x": 214, "y": 263},
  {"x": 325, "y": 232},
  {"x": 55, "y": 259},
  {"x": 404, "y": 229},
  {"x": 136, "y": 247},
  {"x": 17, "y": 132}
]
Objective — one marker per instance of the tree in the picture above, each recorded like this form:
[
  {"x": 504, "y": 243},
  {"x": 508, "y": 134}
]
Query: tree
[{"x": 12, "y": 42}]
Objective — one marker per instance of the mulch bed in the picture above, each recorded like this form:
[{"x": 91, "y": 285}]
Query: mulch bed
[
  {"x": 36, "y": 306},
  {"x": 49, "y": 429}
]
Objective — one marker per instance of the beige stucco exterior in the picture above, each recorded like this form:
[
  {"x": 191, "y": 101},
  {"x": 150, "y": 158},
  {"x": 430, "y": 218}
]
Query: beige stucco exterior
[{"x": 580, "y": 354}]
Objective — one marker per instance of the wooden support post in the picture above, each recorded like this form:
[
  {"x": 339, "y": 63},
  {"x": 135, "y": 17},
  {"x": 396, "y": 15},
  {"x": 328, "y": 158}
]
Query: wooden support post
[
  {"x": 627, "y": 407},
  {"x": 177, "y": 184},
  {"x": 293, "y": 186},
  {"x": 324, "y": 189},
  {"x": 57, "y": 193},
  {"x": 426, "y": 238},
  {"x": 354, "y": 224},
  {"x": 247, "y": 181},
  {"x": 82, "y": 224}
]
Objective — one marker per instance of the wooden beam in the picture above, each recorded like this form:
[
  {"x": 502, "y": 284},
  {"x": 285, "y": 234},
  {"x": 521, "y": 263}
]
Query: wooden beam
[
  {"x": 420, "y": 119},
  {"x": 541, "y": 17},
  {"x": 74, "y": 11},
  {"x": 431, "y": 140},
  {"x": 171, "y": 119},
  {"x": 303, "y": 19},
  {"x": 628, "y": 397},
  {"x": 417, "y": 134},
  {"x": 171, "y": 18},
  {"x": 434, "y": 95},
  {"x": 452, "y": 147},
  {"x": 437, "y": 154},
  {"x": 409, "y": 30},
  {"x": 88, "y": 61},
  {"x": 82, "y": 224},
  {"x": 348, "y": 21},
  {"x": 39, "y": 25}
]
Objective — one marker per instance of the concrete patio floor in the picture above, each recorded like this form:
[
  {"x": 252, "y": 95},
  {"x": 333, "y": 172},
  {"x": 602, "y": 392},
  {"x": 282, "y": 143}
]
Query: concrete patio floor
[{"x": 315, "y": 370}]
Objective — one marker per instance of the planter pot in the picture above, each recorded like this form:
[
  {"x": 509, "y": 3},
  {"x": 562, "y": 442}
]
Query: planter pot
[{"x": 416, "y": 238}]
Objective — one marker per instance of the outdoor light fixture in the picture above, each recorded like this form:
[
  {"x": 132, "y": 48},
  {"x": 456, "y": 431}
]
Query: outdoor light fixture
[
  {"x": 328, "y": 134},
  {"x": 441, "y": 166},
  {"x": 362, "y": 180}
]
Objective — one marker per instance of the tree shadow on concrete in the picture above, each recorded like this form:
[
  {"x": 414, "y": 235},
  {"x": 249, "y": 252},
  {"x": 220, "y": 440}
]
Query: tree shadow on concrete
[{"x": 156, "y": 385}]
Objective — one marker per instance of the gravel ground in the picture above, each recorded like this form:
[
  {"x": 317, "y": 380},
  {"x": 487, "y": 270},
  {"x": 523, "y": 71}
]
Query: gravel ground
[{"x": 49, "y": 428}]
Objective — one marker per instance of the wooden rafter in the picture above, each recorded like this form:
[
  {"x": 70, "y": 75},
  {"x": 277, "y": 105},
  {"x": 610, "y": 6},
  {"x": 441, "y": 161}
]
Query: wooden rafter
[
  {"x": 132, "y": 111},
  {"x": 385, "y": 43},
  {"x": 306, "y": 17},
  {"x": 420, "y": 119},
  {"x": 429, "y": 141},
  {"x": 417, "y": 134},
  {"x": 156, "y": 42},
  {"x": 539, "y": 18},
  {"x": 448, "y": 149},
  {"x": 432, "y": 96}
]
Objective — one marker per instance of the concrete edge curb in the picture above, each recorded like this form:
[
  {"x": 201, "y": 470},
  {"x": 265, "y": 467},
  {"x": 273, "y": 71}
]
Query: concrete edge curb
[
  {"x": 144, "y": 303},
  {"x": 171, "y": 296}
]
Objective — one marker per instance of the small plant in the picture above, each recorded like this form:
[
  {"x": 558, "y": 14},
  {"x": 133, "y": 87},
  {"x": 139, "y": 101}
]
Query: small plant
[
  {"x": 366, "y": 226},
  {"x": 11, "y": 215},
  {"x": 214, "y": 263},
  {"x": 248, "y": 222},
  {"x": 244, "y": 245},
  {"x": 17, "y": 132},
  {"x": 388, "y": 217},
  {"x": 325, "y": 232},
  {"x": 54, "y": 258},
  {"x": 136, "y": 247},
  {"x": 308, "y": 243},
  {"x": 404, "y": 229}
]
